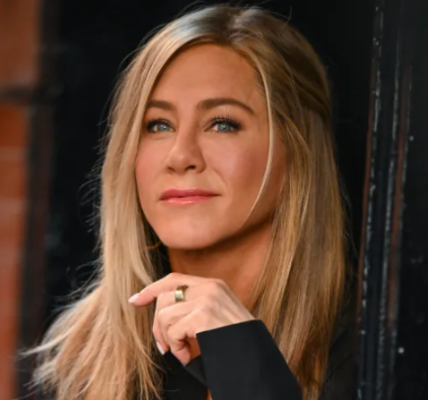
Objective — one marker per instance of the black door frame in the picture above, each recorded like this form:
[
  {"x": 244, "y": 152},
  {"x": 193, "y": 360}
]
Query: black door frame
[{"x": 398, "y": 26}]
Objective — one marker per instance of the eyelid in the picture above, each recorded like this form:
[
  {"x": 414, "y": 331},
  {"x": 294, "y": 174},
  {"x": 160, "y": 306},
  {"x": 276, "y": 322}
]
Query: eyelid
[
  {"x": 224, "y": 118},
  {"x": 158, "y": 120},
  {"x": 236, "y": 124}
]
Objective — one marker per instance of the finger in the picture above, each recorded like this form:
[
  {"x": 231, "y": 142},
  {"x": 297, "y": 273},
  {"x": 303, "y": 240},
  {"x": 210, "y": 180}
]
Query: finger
[
  {"x": 164, "y": 300},
  {"x": 161, "y": 302},
  {"x": 167, "y": 318},
  {"x": 167, "y": 284},
  {"x": 167, "y": 313},
  {"x": 167, "y": 299},
  {"x": 178, "y": 335}
]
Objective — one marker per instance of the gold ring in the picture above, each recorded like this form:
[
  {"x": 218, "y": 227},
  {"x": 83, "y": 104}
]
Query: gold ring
[{"x": 179, "y": 293}]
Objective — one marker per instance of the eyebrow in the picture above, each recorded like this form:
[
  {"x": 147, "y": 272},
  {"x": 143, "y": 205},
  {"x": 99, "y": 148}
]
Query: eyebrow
[{"x": 207, "y": 104}]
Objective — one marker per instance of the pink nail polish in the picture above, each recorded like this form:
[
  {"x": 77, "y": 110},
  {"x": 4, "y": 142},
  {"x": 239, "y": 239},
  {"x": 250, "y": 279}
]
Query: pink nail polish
[
  {"x": 133, "y": 298},
  {"x": 162, "y": 351}
]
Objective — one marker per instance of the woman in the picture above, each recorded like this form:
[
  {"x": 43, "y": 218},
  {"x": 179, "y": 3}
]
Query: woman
[{"x": 220, "y": 198}]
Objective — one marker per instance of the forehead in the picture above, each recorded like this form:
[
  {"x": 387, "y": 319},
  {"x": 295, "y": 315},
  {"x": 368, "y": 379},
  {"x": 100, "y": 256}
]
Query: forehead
[{"x": 208, "y": 71}]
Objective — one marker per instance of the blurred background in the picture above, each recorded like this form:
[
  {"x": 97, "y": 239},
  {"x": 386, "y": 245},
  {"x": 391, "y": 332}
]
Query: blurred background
[{"x": 59, "y": 62}]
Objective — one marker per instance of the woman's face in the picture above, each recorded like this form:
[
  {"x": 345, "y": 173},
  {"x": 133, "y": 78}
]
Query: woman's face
[{"x": 204, "y": 150}]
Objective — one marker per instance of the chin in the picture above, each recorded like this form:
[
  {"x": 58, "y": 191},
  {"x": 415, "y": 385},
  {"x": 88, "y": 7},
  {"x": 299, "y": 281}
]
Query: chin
[
  {"x": 191, "y": 242},
  {"x": 182, "y": 239}
]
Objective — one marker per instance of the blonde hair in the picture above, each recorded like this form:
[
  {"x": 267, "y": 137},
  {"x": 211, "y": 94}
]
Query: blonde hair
[{"x": 100, "y": 347}]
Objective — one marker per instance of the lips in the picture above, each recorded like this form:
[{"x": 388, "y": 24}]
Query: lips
[{"x": 186, "y": 195}]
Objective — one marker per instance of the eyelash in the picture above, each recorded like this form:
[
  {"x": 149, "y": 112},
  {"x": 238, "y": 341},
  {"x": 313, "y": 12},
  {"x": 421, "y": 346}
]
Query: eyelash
[
  {"x": 233, "y": 122},
  {"x": 236, "y": 126}
]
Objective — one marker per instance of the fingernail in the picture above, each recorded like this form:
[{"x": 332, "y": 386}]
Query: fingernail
[
  {"x": 133, "y": 298},
  {"x": 162, "y": 351}
]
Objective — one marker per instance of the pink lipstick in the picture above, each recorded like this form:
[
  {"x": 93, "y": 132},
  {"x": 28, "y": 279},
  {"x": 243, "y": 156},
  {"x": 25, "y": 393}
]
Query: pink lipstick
[{"x": 186, "y": 196}]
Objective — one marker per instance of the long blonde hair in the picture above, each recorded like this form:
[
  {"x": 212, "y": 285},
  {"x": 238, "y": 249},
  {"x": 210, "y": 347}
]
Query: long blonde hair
[{"x": 100, "y": 347}]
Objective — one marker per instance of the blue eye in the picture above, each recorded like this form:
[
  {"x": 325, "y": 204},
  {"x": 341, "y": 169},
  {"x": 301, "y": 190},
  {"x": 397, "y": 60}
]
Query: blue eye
[
  {"x": 158, "y": 126},
  {"x": 226, "y": 125},
  {"x": 222, "y": 125}
]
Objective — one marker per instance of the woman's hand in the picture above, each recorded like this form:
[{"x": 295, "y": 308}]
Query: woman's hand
[{"x": 208, "y": 304}]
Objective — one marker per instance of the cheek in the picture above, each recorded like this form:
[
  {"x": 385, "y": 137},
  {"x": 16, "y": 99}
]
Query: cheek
[
  {"x": 146, "y": 166},
  {"x": 241, "y": 168}
]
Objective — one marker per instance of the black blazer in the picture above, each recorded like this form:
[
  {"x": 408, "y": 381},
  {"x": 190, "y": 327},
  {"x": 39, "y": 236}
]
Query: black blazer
[{"x": 243, "y": 362}]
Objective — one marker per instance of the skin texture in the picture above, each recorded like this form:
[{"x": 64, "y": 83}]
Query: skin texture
[{"x": 215, "y": 246}]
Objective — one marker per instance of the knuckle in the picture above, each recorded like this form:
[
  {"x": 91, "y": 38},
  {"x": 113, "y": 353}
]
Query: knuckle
[
  {"x": 161, "y": 298},
  {"x": 216, "y": 286},
  {"x": 162, "y": 315},
  {"x": 221, "y": 284},
  {"x": 174, "y": 275}
]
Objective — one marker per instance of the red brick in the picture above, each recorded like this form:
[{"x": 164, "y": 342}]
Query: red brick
[
  {"x": 12, "y": 214},
  {"x": 13, "y": 126},
  {"x": 18, "y": 42},
  {"x": 13, "y": 170}
]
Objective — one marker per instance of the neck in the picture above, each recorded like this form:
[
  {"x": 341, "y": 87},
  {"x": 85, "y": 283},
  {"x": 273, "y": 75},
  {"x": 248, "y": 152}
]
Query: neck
[{"x": 237, "y": 261}]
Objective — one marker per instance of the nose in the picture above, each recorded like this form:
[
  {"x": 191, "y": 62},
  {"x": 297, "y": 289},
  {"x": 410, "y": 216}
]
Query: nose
[{"x": 186, "y": 153}]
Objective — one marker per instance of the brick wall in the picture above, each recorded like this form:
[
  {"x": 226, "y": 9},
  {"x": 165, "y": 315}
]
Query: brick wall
[{"x": 18, "y": 77}]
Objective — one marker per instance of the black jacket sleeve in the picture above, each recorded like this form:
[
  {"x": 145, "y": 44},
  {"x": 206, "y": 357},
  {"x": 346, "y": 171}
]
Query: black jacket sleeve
[{"x": 242, "y": 361}]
